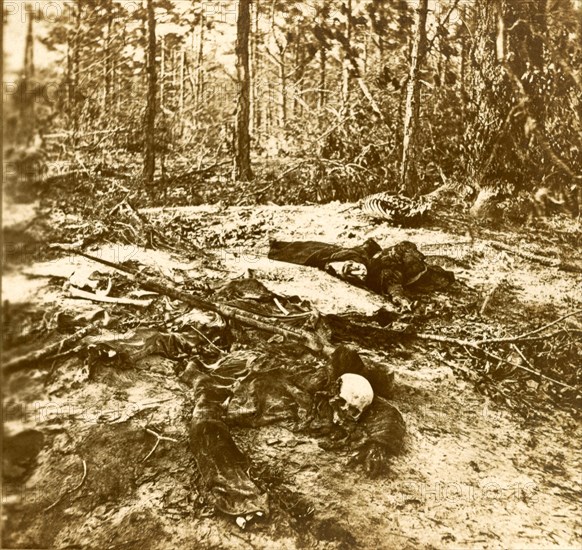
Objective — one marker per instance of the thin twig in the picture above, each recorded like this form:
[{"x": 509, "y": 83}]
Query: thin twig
[
  {"x": 477, "y": 346},
  {"x": 158, "y": 439},
  {"x": 490, "y": 295},
  {"x": 75, "y": 292},
  {"x": 531, "y": 371},
  {"x": 34, "y": 357},
  {"x": 522, "y": 355},
  {"x": 210, "y": 342},
  {"x": 70, "y": 490},
  {"x": 531, "y": 333}
]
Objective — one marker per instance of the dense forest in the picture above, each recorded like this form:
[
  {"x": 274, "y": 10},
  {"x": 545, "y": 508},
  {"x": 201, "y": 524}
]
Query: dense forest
[{"x": 292, "y": 101}]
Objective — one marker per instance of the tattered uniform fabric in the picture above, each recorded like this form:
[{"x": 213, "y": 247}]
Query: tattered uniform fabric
[
  {"x": 271, "y": 388},
  {"x": 388, "y": 270},
  {"x": 273, "y": 383},
  {"x": 318, "y": 254}
]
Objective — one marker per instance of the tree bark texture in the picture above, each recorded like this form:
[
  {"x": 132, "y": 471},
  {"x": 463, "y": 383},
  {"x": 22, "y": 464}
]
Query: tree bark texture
[
  {"x": 408, "y": 167},
  {"x": 242, "y": 171},
  {"x": 149, "y": 159}
]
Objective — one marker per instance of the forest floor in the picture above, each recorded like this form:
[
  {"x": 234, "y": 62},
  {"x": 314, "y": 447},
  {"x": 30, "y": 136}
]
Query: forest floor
[{"x": 492, "y": 457}]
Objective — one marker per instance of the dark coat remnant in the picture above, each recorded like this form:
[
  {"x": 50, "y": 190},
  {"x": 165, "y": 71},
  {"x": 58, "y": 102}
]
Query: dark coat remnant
[
  {"x": 387, "y": 271},
  {"x": 254, "y": 391},
  {"x": 223, "y": 467}
]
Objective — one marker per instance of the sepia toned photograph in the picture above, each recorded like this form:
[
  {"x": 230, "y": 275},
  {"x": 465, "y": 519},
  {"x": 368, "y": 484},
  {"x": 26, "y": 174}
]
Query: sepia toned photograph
[{"x": 291, "y": 275}]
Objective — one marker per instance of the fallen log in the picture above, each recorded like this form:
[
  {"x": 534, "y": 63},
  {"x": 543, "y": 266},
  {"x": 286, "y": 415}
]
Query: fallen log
[{"x": 313, "y": 341}]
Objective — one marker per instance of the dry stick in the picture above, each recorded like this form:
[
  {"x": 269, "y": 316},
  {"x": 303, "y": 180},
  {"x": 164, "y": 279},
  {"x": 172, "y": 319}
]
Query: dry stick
[
  {"x": 475, "y": 345},
  {"x": 507, "y": 339},
  {"x": 489, "y": 296},
  {"x": 210, "y": 342},
  {"x": 58, "y": 347},
  {"x": 313, "y": 341},
  {"x": 70, "y": 490},
  {"x": 498, "y": 358},
  {"x": 75, "y": 292},
  {"x": 159, "y": 438},
  {"x": 530, "y": 333},
  {"x": 522, "y": 355},
  {"x": 544, "y": 260}
]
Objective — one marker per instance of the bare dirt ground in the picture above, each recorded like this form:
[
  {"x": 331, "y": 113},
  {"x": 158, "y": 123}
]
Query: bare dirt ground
[{"x": 491, "y": 461}]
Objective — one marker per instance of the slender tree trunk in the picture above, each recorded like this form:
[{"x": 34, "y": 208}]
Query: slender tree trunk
[
  {"x": 242, "y": 167},
  {"x": 253, "y": 68},
  {"x": 162, "y": 72},
  {"x": 322, "y": 80},
  {"x": 149, "y": 159},
  {"x": 108, "y": 61},
  {"x": 463, "y": 73},
  {"x": 258, "y": 115},
  {"x": 173, "y": 68},
  {"x": 409, "y": 168},
  {"x": 27, "y": 114},
  {"x": 200, "y": 63},
  {"x": 346, "y": 62},
  {"x": 297, "y": 73},
  {"x": 182, "y": 77},
  {"x": 76, "y": 58},
  {"x": 283, "y": 81}
]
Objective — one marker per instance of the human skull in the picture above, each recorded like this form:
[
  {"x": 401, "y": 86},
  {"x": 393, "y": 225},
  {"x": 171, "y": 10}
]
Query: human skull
[{"x": 353, "y": 396}]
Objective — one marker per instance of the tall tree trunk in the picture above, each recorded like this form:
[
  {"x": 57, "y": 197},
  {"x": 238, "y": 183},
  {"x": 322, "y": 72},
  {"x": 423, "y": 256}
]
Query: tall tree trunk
[
  {"x": 322, "y": 82},
  {"x": 27, "y": 114},
  {"x": 283, "y": 82},
  {"x": 408, "y": 167},
  {"x": 162, "y": 72},
  {"x": 76, "y": 67},
  {"x": 508, "y": 43},
  {"x": 200, "y": 63},
  {"x": 149, "y": 158},
  {"x": 347, "y": 62},
  {"x": 107, "y": 57},
  {"x": 181, "y": 88},
  {"x": 253, "y": 70},
  {"x": 488, "y": 107},
  {"x": 463, "y": 72},
  {"x": 242, "y": 141}
]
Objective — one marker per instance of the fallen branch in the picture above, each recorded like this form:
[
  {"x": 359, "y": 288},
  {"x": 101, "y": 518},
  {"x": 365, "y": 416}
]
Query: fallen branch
[
  {"x": 70, "y": 490},
  {"x": 75, "y": 292},
  {"x": 503, "y": 339},
  {"x": 543, "y": 260},
  {"x": 490, "y": 295},
  {"x": 106, "y": 416},
  {"x": 526, "y": 336},
  {"x": 158, "y": 439},
  {"x": 314, "y": 341},
  {"x": 67, "y": 246},
  {"x": 21, "y": 362}
]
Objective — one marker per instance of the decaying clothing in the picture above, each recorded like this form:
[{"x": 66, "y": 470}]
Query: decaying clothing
[
  {"x": 385, "y": 271},
  {"x": 255, "y": 391}
]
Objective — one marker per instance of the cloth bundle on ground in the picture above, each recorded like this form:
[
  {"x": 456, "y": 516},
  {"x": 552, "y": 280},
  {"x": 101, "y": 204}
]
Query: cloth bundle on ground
[
  {"x": 254, "y": 390},
  {"x": 384, "y": 271}
]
